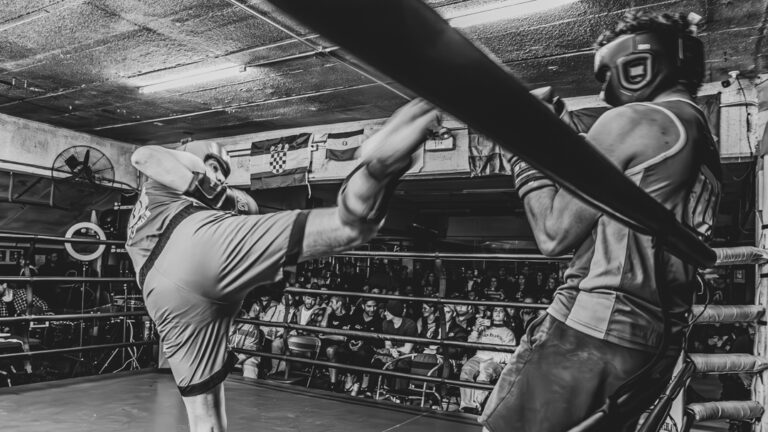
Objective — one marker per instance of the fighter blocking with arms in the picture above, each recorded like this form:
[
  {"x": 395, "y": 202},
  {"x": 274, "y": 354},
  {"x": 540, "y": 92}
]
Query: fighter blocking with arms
[
  {"x": 624, "y": 301},
  {"x": 198, "y": 249}
]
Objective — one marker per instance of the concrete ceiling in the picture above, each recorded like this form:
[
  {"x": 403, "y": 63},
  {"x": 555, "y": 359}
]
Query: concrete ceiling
[{"x": 79, "y": 64}]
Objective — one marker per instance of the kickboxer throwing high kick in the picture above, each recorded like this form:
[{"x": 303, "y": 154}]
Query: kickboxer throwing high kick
[{"x": 198, "y": 247}]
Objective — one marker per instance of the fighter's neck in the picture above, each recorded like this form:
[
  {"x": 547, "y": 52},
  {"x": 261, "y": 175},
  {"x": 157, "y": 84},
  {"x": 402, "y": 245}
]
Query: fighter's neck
[{"x": 674, "y": 93}]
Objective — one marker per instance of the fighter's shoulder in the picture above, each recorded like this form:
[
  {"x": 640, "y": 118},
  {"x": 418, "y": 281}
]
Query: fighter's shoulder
[
  {"x": 631, "y": 117},
  {"x": 623, "y": 131}
]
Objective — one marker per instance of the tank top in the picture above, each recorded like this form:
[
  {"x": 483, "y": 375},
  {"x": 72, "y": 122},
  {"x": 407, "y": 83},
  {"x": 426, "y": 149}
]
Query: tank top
[
  {"x": 610, "y": 290},
  {"x": 154, "y": 209}
]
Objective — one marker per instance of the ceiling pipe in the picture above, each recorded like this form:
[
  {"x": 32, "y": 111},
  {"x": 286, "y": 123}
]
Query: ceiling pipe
[
  {"x": 230, "y": 107},
  {"x": 316, "y": 48},
  {"x": 259, "y": 63}
]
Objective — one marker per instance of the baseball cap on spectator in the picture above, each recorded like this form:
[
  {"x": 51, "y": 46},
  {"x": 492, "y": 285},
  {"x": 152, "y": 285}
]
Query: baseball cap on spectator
[{"x": 396, "y": 308}]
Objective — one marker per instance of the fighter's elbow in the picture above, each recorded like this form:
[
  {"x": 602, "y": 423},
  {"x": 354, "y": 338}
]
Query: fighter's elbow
[
  {"x": 358, "y": 232},
  {"x": 551, "y": 246},
  {"x": 549, "y": 249}
]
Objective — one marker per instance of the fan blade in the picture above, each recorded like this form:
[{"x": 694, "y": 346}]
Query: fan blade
[
  {"x": 88, "y": 174},
  {"x": 72, "y": 163},
  {"x": 87, "y": 157}
]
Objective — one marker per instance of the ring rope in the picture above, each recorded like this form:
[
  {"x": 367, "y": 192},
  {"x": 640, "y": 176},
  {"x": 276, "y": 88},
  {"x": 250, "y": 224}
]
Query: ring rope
[
  {"x": 71, "y": 317},
  {"x": 468, "y": 384},
  {"x": 76, "y": 349},
  {"x": 740, "y": 255},
  {"x": 294, "y": 290},
  {"x": 724, "y": 256},
  {"x": 37, "y": 238},
  {"x": 453, "y": 256},
  {"x": 715, "y": 364},
  {"x": 714, "y": 314},
  {"x": 380, "y": 336},
  {"x": 736, "y": 410},
  {"x": 65, "y": 279}
]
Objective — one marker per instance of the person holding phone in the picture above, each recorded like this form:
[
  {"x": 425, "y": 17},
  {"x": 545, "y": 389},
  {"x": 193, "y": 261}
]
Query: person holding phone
[{"x": 485, "y": 366}]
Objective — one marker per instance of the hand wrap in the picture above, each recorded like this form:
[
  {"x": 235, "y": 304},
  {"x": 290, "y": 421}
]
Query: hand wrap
[
  {"x": 528, "y": 179},
  {"x": 375, "y": 212}
]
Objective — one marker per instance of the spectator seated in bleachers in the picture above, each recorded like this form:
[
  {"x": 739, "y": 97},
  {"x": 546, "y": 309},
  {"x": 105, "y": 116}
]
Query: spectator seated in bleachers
[
  {"x": 453, "y": 356},
  {"x": 465, "y": 316},
  {"x": 359, "y": 352},
  {"x": 397, "y": 325},
  {"x": 247, "y": 336},
  {"x": 13, "y": 302},
  {"x": 275, "y": 312},
  {"x": 454, "y": 331},
  {"x": 493, "y": 291},
  {"x": 485, "y": 366},
  {"x": 428, "y": 324},
  {"x": 308, "y": 313},
  {"x": 336, "y": 317}
]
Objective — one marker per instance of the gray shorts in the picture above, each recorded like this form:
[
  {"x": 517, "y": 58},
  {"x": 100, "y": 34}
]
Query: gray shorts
[
  {"x": 558, "y": 376},
  {"x": 194, "y": 287}
]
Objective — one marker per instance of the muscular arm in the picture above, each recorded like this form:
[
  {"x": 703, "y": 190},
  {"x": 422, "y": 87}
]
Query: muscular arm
[
  {"x": 332, "y": 230},
  {"x": 325, "y": 234},
  {"x": 171, "y": 168},
  {"x": 628, "y": 136}
]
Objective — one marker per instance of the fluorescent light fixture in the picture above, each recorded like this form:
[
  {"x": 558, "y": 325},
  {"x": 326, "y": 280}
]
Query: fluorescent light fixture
[
  {"x": 503, "y": 10},
  {"x": 192, "y": 77}
]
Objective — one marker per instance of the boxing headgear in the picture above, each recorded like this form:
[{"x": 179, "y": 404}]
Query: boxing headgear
[
  {"x": 644, "y": 64},
  {"x": 206, "y": 150}
]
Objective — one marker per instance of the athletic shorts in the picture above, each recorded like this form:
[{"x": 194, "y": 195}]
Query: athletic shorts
[
  {"x": 194, "y": 285},
  {"x": 558, "y": 376}
]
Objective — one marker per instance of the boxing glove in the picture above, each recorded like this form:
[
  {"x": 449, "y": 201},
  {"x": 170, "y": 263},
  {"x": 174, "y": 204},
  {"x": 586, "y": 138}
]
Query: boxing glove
[{"x": 557, "y": 105}]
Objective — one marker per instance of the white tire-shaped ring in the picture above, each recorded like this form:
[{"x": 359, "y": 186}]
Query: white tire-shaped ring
[{"x": 85, "y": 226}]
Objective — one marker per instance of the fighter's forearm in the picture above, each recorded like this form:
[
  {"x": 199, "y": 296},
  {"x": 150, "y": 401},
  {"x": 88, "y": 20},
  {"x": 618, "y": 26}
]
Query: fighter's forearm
[
  {"x": 559, "y": 220},
  {"x": 337, "y": 229},
  {"x": 171, "y": 168},
  {"x": 325, "y": 234}
]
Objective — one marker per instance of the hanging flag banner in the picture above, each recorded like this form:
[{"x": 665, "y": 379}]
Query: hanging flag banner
[
  {"x": 280, "y": 162},
  {"x": 337, "y": 154},
  {"x": 342, "y": 146},
  {"x": 487, "y": 158}
]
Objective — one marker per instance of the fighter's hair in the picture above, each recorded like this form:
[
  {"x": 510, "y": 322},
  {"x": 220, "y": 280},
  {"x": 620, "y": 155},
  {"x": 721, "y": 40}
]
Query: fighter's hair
[{"x": 665, "y": 24}]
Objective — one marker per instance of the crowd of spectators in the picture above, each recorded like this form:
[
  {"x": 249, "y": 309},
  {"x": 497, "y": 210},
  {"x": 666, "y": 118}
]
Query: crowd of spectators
[{"x": 425, "y": 319}]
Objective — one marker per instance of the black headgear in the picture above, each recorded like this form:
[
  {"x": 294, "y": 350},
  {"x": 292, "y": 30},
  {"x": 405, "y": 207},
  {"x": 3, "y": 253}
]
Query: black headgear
[
  {"x": 644, "y": 64},
  {"x": 206, "y": 150}
]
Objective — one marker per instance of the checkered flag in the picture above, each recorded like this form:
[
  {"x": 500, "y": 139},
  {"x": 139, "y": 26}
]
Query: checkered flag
[
  {"x": 280, "y": 162},
  {"x": 278, "y": 156}
]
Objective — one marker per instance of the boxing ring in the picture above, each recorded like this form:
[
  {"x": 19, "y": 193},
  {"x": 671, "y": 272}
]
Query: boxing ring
[
  {"x": 430, "y": 58},
  {"x": 149, "y": 400}
]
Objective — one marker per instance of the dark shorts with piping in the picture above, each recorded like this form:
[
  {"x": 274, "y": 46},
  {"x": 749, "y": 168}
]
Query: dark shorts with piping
[
  {"x": 196, "y": 278},
  {"x": 558, "y": 376}
]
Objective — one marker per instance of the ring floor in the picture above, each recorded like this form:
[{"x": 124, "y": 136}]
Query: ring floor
[{"x": 149, "y": 401}]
